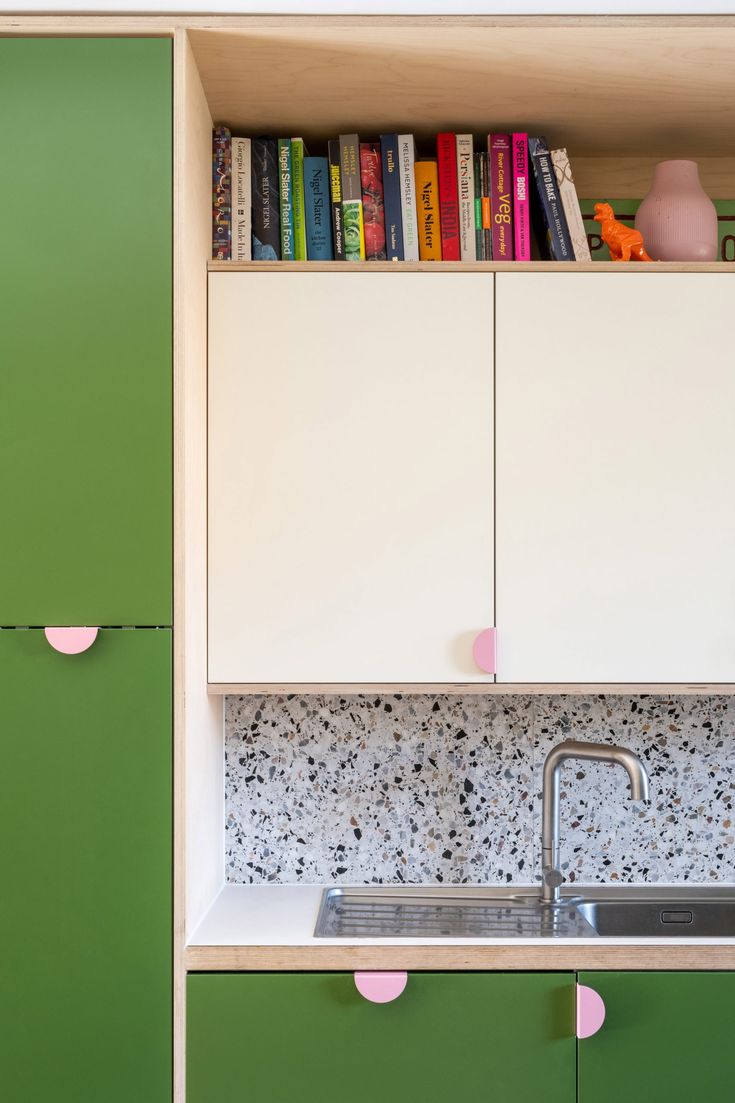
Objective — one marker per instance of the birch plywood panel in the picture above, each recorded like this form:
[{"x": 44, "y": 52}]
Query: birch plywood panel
[{"x": 658, "y": 88}]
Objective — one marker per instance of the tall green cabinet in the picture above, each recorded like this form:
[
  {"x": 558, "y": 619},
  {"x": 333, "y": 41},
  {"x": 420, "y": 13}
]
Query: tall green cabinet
[
  {"x": 86, "y": 515},
  {"x": 85, "y": 282},
  {"x": 85, "y": 989}
]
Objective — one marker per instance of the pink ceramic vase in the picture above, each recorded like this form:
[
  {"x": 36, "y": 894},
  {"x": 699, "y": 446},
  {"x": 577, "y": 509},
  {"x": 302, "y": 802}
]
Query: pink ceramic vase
[{"x": 677, "y": 218}]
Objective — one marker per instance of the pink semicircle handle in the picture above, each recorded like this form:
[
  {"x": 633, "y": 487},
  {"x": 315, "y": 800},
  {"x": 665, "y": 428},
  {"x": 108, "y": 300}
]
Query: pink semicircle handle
[
  {"x": 484, "y": 650},
  {"x": 590, "y": 1011},
  {"x": 380, "y": 987},
  {"x": 71, "y": 641}
]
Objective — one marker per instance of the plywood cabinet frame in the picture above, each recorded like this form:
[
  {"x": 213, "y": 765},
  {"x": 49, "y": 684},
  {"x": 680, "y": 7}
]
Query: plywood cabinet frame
[
  {"x": 710, "y": 42},
  {"x": 199, "y": 773}
]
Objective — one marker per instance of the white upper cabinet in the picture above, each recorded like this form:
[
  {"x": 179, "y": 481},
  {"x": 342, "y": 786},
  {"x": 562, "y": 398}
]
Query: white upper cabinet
[
  {"x": 615, "y": 477},
  {"x": 350, "y": 476}
]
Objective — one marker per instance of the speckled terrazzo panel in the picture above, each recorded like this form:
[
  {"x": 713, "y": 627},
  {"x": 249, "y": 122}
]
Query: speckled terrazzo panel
[
  {"x": 686, "y": 832},
  {"x": 425, "y": 789}
]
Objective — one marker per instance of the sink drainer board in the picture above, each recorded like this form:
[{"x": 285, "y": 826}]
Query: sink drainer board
[
  {"x": 369, "y": 913},
  {"x": 349, "y": 914}
]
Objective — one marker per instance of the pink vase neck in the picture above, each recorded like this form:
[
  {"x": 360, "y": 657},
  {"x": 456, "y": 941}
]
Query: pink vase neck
[{"x": 680, "y": 174}]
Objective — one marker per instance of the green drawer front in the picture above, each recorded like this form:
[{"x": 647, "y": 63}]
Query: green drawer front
[
  {"x": 85, "y": 913},
  {"x": 280, "y": 1038},
  {"x": 666, "y": 1036},
  {"x": 85, "y": 340}
]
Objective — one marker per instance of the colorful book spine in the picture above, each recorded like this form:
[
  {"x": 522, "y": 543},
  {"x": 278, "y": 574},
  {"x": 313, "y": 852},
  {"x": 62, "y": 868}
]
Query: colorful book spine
[
  {"x": 221, "y": 194},
  {"x": 479, "y": 236},
  {"x": 466, "y": 196},
  {"x": 373, "y": 209},
  {"x": 427, "y": 197},
  {"x": 242, "y": 225},
  {"x": 392, "y": 196},
  {"x": 335, "y": 195},
  {"x": 407, "y": 162},
  {"x": 266, "y": 215},
  {"x": 570, "y": 203},
  {"x": 285, "y": 197},
  {"x": 521, "y": 209},
  {"x": 318, "y": 214},
  {"x": 487, "y": 218},
  {"x": 354, "y": 235},
  {"x": 299, "y": 203},
  {"x": 501, "y": 195},
  {"x": 558, "y": 239},
  {"x": 446, "y": 156}
]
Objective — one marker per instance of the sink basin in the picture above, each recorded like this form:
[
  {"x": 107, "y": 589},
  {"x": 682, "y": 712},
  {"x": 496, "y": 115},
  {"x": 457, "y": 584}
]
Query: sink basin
[
  {"x": 693, "y": 918},
  {"x": 621, "y": 912},
  {"x": 369, "y": 913}
]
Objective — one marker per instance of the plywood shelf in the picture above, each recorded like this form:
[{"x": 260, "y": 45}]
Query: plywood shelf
[
  {"x": 668, "y": 93},
  {"x": 463, "y": 266},
  {"x": 642, "y": 88},
  {"x": 658, "y": 689}
]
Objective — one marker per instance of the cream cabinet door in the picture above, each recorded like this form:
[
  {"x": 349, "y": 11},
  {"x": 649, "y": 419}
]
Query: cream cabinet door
[
  {"x": 350, "y": 476},
  {"x": 615, "y": 477}
]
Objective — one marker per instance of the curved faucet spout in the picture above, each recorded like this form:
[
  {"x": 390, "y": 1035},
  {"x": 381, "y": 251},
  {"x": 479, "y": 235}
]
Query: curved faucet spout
[{"x": 557, "y": 756}]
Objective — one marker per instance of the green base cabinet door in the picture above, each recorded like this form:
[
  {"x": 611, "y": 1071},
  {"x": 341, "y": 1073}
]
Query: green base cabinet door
[
  {"x": 85, "y": 856},
  {"x": 312, "y": 1038},
  {"x": 666, "y": 1036},
  {"x": 85, "y": 338}
]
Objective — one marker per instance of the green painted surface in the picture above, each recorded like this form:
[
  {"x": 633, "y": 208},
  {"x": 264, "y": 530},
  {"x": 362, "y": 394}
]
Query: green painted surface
[
  {"x": 279, "y": 1038},
  {"x": 666, "y": 1036},
  {"x": 85, "y": 331},
  {"x": 85, "y": 830}
]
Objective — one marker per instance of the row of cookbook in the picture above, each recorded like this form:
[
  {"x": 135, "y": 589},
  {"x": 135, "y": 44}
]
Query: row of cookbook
[{"x": 380, "y": 200}]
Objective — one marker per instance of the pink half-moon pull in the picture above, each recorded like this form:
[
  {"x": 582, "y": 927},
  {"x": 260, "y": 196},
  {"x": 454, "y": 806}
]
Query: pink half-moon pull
[
  {"x": 484, "y": 650},
  {"x": 71, "y": 641},
  {"x": 380, "y": 987},
  {"x": 590, "y": 1011}
]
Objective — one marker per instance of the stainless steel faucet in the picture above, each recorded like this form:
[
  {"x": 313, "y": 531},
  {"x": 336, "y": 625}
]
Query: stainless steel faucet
[{"x": 552, "y": 876}]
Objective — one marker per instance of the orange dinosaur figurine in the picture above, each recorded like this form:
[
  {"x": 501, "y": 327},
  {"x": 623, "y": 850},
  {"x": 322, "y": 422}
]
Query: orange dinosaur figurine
[{"x": 623, "y": 242}]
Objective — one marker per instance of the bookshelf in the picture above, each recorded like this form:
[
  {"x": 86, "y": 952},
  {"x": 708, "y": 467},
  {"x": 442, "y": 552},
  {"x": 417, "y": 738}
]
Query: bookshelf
[{"x": 464, "y": 266}]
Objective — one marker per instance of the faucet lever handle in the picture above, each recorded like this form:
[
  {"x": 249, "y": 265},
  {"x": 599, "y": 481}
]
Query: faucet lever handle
[{"x": 554, "y": 878}]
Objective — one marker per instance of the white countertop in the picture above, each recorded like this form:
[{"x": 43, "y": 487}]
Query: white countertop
[{"x": 285, "y": 915}]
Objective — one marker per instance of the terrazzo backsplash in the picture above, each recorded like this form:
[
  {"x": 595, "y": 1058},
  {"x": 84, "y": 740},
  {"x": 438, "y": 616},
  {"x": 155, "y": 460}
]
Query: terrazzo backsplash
[{"x": 447, "y": 789}]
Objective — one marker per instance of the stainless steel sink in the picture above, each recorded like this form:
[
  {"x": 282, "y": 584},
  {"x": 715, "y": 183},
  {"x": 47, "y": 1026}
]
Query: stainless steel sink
[
  {"x": 692, "y": 918},
  {"x": 415, "y": 913},
  {"x": 366, "y": 913},
  {"x": 545, "y": 912}
]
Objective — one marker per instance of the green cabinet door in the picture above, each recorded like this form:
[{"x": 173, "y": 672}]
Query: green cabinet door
[
  {"x": 85, "y": 331},
  {"x": 279, "y": 1038},
  {"x": 85, "y": 857},
  {"x": 666, "y": 1036}
]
